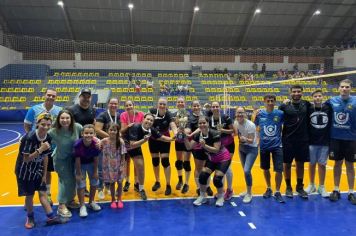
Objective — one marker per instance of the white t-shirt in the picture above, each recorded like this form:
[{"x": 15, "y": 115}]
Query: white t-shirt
[{"x": 248, "y": 127}]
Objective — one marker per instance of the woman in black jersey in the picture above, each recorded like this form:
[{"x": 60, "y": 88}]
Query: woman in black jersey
[
  {"x": 138, "y": 135},
  {"x": 219, "y": 160},
  {"x": 224, "y": 124},
  {"x": 183, "y": 155},
  {"x": 163, "y": 120},
  {"x": 198, "y": 153}
]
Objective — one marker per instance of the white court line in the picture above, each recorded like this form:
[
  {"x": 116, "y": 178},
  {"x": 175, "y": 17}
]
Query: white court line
[
  {"x": 18, "y": 136},
  {"x": 252, "y": 225},
  {"x": 4, "y": 194},
  {"x": 242, "y": 213},
  {"x": 10, "y": 152},
  {"x": 233, "y": 204}
]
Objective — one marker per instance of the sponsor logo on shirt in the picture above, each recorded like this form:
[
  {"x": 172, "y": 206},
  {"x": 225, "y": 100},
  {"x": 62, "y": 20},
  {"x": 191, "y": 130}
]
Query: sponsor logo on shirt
[
  {"x": 319, "y": 120},
  {"x": 275, "y": 119},
  {"x": 270, "y": 130},
  {"x": 341, "y": 119},
  {"x": 349, "y": 106}
]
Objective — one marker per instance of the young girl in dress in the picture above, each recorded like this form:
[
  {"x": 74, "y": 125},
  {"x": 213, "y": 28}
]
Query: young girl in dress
[{"x": 114, "y": 163}]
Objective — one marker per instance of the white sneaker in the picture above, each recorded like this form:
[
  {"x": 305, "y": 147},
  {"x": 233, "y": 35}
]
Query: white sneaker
[
  {"x": 94, "y": 206},
  {"x": 200, "y": 200},
  {"x": 247, "y": 198},
  {"x": 101, "y": 195},
  {"x": 220, "y": 201},
  {"x": 243, "y": 194},
  {"x": 322, "y": 191},
  {"x": 310, "y": 189},
  {"x": 83, "y": 211}
]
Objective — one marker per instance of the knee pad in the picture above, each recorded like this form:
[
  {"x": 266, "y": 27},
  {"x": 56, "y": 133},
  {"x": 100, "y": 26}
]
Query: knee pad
[
  {"x": 186, "y": 166},
  {"x": 165, "y": 162},
  {"x": 218, "y": 181},
  {"x": 155, "y": 161},
  {"x": 203, "y": 178},
  {"x": 179, "y": 164}
]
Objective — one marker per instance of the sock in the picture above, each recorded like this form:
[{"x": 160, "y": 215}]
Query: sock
[
  {"x": 336, "y": 188},
  {"x": 48, "y": 186},
  {"x": 50, "y": 215},
  {"x": 288, "y": 183},
  {"x": 300, "y": 182},
  {"x": 180, "y": 178},
  {"x": 31, "y": 215},
  {"x": 140, "y": 187},
  {"x": 351, "y": 191}
]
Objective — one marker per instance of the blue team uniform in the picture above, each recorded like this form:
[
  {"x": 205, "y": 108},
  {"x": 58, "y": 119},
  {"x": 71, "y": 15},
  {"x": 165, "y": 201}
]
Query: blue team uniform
[{"x": 34, "y": 111}]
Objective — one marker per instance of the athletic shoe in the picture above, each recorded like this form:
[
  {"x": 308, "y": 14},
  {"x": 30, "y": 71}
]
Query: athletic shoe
[
  {"x": 243, "y": 194},
  {"x": 83, "y": 211},
  {"x": 126, "y": 186},
  {"x": 113, "y": 205},
  {"x": 143, "y": 194},
  {"x": 49, "y": 199},
  {"x": 310, "y": 189},
  {"x": 268, "y": 193},
  {"x": 289, "y": 192},
  {"x": 185, "y": 188},
  {"x": 64, "y": 212},
  {"x": 94, "y": 206},
  {"x": 179, "y": 185},
  {"x": 335, "y": 196},
  {"x": 199, "y": 201},
  {"x": 168, "y": 190},
  {"x": 278, "y": 197},
  {"x": 209, "y": 191},
  {"x": 301, "y": 193},
  {"x": 120, "y": 204},
  {"x": 156, "y": 186},
  {"x": 228, "y": 194},
  {"x": 247, "y": 198},
  {"x": 322, "y": 192},
  {"x": 86, "y": 193},
  {"x": 351, "y": 197},
  {"x": 101, "y": 195},
  {"x": 137, "y": 187},
  {"x": 55, "y": 220},
  {"x": 30, "y": 223},
  {"x": 73, "y": 205},
  {"x": 220, "y": 201}
]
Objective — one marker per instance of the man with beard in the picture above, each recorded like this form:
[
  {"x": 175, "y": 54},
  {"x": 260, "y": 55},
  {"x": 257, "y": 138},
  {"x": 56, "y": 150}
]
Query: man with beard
[{"x": 295, "y": 139}]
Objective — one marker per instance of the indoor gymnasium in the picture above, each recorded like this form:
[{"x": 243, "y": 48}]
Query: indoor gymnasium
[{"x": 177, "y": 117}]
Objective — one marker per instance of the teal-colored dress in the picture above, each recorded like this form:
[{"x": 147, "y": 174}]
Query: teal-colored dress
[{"x": 63, "y": 161}]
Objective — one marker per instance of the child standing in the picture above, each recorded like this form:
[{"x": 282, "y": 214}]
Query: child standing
[
  {"x": 31, "y": 170},
  {"x": 114, "y": 163},
  {"x": 86, "y": 155}
]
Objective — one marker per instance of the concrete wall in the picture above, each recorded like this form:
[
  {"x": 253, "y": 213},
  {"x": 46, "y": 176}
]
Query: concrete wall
[
  {"x": 8, "y": 56},
  {"x": 345, "y": 59}
]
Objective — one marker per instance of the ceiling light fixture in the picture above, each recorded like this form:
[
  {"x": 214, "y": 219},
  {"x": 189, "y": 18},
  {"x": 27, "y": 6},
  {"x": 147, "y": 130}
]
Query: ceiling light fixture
[
  {"x": 196, "y": 9},
  {"x": 258, "y": 11},
  {"x": 131, "y": 6},
  {"x": 60, "y": 3},
  {"x": 317, "y": 12}
]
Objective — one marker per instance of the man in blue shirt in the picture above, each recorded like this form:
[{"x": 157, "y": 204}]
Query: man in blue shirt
[
  {"x": 269, "y": 123},
  {"x": 30, "y": 124},
  {"x": 343, "y": 138}
]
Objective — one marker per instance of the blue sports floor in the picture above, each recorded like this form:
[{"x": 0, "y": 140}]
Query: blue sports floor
[{"x": 179, "y": 217}]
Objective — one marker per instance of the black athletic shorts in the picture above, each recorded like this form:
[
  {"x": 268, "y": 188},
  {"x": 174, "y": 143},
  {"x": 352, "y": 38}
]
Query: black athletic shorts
[
  {"x": 180, "y": 147},
  {"x": 221, "y": 166},
  {"x": 200, "y": 154},
  {"x": 295, "y": 150},
  {"x": 159, "y": 146},
  {"x": 50, "y": 167},
  {"x": 29, "y": 187},
  {"x": 135, "y": 152},
  {"x": 343, "y": 149}
]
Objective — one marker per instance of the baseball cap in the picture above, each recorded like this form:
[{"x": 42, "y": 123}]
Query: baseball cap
[{"x": 85, "y": 90}]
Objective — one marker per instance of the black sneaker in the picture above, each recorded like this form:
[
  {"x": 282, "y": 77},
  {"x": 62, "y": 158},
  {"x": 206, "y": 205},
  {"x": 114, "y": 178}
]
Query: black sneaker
[
  {"x": 156, "y": 186},
  {"x": 168, "y": 190},
  {"x": 268, "y": 193},
  {"x": 209, "y": 191},
  {"x": 86, "y": 193},
  {"x": 55, "y": 220},
  {"x": 185, "y": 188},
  {"x": 289, "y": 192},
  {"x": 136, "y": 187},
  {"x": 278, "y": 197},
  {"x": 126, "y": 186},
  {"x": 351, "y": 197},
  {"x": 179, "y": 185},
  {"x": 302, "y": 193},
  {"x": 335, "y": 196},
  {"x": 143, "y": 194}
]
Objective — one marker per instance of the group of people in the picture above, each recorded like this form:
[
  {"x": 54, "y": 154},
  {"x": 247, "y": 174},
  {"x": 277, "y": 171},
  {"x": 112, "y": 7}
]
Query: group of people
[{"x": 79, "y": 144}]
